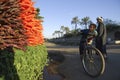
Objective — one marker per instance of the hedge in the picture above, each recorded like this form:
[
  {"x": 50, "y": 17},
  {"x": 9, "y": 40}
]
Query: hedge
[{"x": 16, "y": 64}]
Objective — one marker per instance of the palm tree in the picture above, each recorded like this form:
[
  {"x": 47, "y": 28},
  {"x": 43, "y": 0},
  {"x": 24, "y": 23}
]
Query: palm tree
[
  {"x": 57, "y": 33},
  {"x": 75, "y": 21},
  {"x": 67, "y": 30},
  {"x": 64, "y": 29},
  {"x": 85, "y": 21}
]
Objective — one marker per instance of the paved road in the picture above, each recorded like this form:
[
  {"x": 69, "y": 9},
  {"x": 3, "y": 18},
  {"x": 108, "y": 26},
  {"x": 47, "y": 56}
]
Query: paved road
[{"x": 72, "y": 69}]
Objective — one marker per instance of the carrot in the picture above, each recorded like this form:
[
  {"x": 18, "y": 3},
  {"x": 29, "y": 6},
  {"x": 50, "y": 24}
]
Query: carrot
[{"x": 32, "y": 26}]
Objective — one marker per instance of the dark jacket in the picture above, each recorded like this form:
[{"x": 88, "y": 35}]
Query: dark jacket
[
  {"x": 102, "y": 34},
  {"x": 87, "y": 34}
]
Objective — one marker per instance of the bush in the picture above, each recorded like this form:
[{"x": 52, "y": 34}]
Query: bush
[{"x": 19, "y": 65}]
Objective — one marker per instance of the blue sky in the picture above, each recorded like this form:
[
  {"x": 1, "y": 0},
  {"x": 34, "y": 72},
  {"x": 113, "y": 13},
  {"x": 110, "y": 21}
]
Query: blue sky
[{"x": 59, "y": 13}]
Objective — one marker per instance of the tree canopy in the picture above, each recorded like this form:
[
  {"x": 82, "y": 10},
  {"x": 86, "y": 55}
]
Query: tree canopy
[
  {"x": 75, "y": 21},
  {"x": 85, "y": 21},
  {"x": 38, "y": 16}
]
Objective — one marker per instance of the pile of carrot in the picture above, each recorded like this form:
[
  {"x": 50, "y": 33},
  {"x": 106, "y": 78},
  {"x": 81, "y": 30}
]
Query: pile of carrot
[
  {"x": 18, "y": 24},
  {"x": 32, "y": 25},
  {"x": 11, "y": 29}
]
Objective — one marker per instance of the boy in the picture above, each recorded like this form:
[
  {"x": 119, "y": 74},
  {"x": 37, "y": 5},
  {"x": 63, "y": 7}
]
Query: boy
[{"x": 88, "y": 34}]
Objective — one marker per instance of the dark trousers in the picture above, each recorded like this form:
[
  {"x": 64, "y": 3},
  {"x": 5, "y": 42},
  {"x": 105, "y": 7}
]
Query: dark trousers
[
  {"x": 101, "y": 46},
  {"x": 81, "y": 47}
]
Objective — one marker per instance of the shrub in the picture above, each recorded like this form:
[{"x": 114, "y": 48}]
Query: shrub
[{"x": 19, "y": 65}]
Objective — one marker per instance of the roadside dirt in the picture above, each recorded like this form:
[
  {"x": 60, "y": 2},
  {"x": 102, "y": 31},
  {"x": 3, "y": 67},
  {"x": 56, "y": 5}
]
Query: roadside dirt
[{"x": 56, "y": 54}]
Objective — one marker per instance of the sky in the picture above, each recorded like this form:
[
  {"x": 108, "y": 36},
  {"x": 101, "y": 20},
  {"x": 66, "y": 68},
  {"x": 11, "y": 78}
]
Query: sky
[{"x": 59, "y": 13}]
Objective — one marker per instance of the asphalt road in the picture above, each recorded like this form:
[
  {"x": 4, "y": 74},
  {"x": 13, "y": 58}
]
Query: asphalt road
[{"x": 72, "y": 68}]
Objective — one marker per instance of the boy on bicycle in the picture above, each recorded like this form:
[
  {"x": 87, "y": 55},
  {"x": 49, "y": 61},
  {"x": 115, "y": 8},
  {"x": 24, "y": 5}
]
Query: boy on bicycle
[{"x": 87, "y": 34}]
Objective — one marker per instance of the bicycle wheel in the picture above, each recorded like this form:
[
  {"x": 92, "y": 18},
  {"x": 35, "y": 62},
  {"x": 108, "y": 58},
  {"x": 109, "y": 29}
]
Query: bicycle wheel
[{"x": 93, "y": 61}]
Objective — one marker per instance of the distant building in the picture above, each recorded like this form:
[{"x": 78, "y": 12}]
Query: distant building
[
  {"x": 114, "y": 37},
  {"x": 117, "y": 35}
]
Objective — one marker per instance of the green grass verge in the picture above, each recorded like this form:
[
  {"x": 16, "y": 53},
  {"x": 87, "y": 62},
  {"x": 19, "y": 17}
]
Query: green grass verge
[{"x": 20, "y": 65}]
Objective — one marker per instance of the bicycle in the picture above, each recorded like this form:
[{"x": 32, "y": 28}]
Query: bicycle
[{"x": 92, "y": 60}]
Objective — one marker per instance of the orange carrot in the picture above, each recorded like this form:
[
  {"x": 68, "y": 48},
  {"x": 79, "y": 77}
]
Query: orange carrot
[{"x": 32, "y": 26}]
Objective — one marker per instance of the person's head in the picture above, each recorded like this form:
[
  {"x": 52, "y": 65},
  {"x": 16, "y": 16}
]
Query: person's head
[
  {"x": 92, "y": 27},
  {"x": 99, "y": 19}
]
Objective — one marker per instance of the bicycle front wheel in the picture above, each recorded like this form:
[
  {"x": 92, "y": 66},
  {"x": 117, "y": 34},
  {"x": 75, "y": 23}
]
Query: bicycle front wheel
[{"x": 93, "y": 61}]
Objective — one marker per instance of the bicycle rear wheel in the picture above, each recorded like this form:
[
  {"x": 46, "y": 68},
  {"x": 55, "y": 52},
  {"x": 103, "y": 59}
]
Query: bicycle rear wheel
[{"x": 93, "y": 61}]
